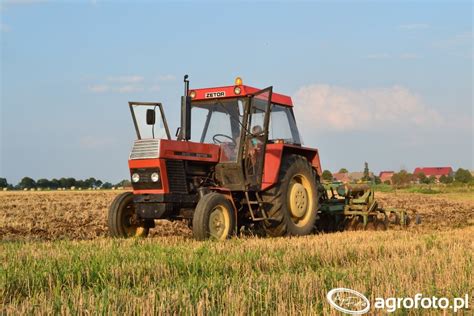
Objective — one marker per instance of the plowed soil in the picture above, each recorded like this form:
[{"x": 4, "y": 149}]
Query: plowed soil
[{"x": 83, "y": 214}]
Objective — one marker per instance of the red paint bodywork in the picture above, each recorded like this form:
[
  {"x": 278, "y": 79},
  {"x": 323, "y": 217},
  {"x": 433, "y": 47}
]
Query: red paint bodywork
[
  {"x": 245, "y": 90},
  {"x": 170, "y": 149},
  {"x": 273, "y": 155}
]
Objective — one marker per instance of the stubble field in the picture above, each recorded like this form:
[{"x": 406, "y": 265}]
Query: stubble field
[{"x": 56, "y": 258}]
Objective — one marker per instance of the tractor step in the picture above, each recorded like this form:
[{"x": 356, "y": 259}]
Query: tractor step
[{"x": 253, "y": 213}]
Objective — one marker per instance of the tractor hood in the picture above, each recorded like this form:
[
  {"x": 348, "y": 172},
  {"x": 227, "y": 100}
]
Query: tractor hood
[{"x": 174, "y": 149}]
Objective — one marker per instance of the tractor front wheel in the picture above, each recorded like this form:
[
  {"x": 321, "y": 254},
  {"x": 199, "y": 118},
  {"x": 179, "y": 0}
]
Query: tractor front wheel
[
  {"x": 213, "y": 218},
  {"x": 123, "y": 221}
]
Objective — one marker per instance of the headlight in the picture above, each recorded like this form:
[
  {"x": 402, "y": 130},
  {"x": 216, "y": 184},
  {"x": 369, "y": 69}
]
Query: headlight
[
  {"x": 237, "y": 90},
  {"x": 155, "y": 177},
  {"x": 135, "y": 177}
]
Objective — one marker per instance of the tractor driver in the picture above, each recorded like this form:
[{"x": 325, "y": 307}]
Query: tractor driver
[{"x": 255, "y": 144}]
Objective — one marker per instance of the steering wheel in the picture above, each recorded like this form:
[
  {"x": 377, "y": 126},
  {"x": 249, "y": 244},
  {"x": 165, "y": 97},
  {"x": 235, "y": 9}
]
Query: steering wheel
[{"x": 216, "y": 141}]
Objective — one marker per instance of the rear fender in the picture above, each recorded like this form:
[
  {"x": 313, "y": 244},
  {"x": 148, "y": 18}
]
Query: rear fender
[{"x": 274, "y": 154}]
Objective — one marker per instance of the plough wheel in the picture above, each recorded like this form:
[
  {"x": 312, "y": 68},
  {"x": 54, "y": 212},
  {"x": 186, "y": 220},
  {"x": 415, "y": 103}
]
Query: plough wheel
[
  {"x": 374, "y": 223},
  {"x": 377, "y": 223}
]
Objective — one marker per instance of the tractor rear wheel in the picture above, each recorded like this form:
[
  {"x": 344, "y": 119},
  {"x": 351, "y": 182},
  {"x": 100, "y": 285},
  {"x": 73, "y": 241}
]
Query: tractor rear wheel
[
  {"x": 213, "y": 218},
  {"x": 123, "y": 221},
  {"x": 293, "y": 201}
]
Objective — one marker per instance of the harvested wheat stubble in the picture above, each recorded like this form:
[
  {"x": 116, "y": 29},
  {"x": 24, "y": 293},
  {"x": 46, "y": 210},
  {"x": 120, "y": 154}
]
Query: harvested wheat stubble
[
  {"x": 64, "y": 215},
  {"x": 83, "y": 215}
]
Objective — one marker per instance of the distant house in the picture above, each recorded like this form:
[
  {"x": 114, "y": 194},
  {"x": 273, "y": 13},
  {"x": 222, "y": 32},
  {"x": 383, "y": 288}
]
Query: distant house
[
  {"x": 343, "y": 177},
  {"x": 386, "y": 176},
  {"x": 357, "y": 176},
  {"x": 437, "y": 172}
]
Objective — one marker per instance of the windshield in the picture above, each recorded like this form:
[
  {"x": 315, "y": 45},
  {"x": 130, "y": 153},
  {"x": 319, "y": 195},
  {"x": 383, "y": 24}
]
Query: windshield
[
  {"x": 219, "y": 122},
  {"x": 139, "y": 114}
]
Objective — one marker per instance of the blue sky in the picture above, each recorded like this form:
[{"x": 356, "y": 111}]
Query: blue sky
[{"x": 387, "y": 83}]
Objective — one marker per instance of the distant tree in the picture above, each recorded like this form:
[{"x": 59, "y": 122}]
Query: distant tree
[
  {"x": 366, "y": 172},
  {"x": 377, "y": 180},
  {"x": 70, "y": 182},
  {"x": 343, "y": 170},
  {"x": 43, "y": 183},
  {"x": 431, "y": 179},
  {"x": 3, "y": 183},
  {"x": 463, "y": 176},
  {"x": 402, "y": 178},
  {"x": 327, "y": 175},
  {"x": 107, "y": 185},
  {"x": 63, "y": 183},
  {"x": 124, "y": 183},
  {"x": 54, "y": 183},
  {"x": 80, "y": 184},
  {"x": 90, "y": 183},
  {"x": 446, "y": 179},
  {"x": 27, "y": 183},
  {"x": 98, "y": 183},
  {"x": 422, "y": 178},
  {"x": 387, "y": 182}
]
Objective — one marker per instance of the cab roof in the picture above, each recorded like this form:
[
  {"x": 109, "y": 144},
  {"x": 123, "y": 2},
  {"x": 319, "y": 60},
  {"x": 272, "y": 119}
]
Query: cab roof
[{"x": 229, "y": 92}]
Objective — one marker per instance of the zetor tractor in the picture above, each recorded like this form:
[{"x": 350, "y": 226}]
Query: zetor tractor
[{"x": 237, "y": 162}]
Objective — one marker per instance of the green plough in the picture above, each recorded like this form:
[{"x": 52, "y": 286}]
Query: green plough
[{"x": 353, "y": 207}]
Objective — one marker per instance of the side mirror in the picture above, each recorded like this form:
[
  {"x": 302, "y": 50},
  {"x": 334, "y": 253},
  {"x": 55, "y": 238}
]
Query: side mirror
[{"x": 150, "y": 117}]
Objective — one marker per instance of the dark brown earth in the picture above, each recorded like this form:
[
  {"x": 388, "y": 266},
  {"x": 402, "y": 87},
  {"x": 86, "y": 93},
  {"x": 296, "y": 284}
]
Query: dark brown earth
[{"x": 83, "y": 214}]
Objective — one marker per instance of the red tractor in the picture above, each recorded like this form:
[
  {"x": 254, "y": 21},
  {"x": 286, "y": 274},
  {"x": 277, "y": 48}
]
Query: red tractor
[{"x": 240, "y": 163}]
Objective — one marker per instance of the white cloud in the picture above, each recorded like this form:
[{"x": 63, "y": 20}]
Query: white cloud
[
  {"x": 4, "y": 28},
  {"x": 22, "y": 2},
  {"x": 155, "y": 88},
  {"x": 409, "y": 56},
  {"x": 166, "y": 78},
  {"x": 126, "y": 79},
  {"x": 128, "y": 89},
  {"x": 99, "y": 88},
  {"x": 413, "y": 26},
  {"x": 378, "y": 56},
  {"x": 334, "y": 108},
  {"x": 102, "y": 88}
]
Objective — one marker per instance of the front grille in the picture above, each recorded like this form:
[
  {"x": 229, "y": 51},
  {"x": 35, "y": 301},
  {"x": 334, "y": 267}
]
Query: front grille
[
  {"x": 145, "y": 179},
  {"x": 176, "y": 176},
  {"x": 145, "y": 149}
]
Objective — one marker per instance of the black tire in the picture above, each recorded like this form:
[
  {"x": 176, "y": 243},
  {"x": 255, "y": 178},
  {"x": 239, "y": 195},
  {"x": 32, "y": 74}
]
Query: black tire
[
  {"x": 213, "y": 218},
  {"x": 282, "y": 219},
  {"x": 123, "y": 221}
]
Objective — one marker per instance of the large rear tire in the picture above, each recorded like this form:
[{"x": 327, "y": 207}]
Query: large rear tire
[
  {"x": 213, "y": 218},
  {"x": 123, "y": 221},
  {"x": 293, "y": 201}
]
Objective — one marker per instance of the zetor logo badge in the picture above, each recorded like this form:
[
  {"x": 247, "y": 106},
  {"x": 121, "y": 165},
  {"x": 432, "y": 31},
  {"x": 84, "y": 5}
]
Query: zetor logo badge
[
  {"x": 348, "y": 301},
  {"x": 210, "y": 95}
]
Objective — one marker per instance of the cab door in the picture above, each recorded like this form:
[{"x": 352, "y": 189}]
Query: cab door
[{"x": 256, "y": 136}]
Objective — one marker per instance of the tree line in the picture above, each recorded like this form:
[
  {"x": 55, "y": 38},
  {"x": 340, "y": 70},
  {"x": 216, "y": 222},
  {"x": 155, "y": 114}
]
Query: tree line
[
  {"x": 403, "y": 177},
  {"x": 67, "y": 183}
]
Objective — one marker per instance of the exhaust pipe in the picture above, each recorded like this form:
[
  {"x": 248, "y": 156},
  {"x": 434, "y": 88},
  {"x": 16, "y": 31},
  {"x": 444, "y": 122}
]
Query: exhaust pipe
[{"x": 185, "y": 130}]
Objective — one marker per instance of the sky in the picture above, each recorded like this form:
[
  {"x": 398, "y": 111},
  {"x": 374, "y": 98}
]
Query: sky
[{"x": 389, "y": 83}]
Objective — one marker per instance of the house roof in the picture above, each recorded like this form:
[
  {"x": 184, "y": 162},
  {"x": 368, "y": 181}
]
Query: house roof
[
  {"x": 341, "y": 176},
  {"x": 434, "y": 171},
  {"x": 387, "y": 173}
]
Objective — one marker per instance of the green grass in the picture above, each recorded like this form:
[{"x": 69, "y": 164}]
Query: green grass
[{"x": 240, "y": 276}]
